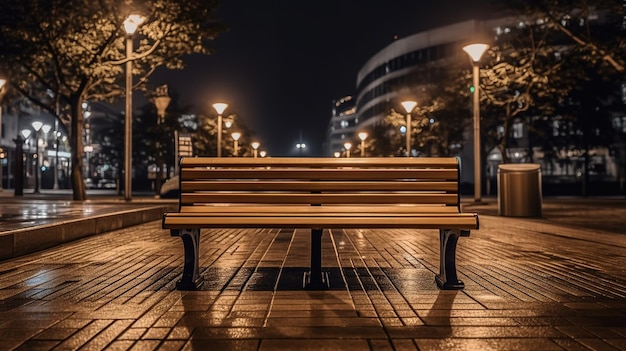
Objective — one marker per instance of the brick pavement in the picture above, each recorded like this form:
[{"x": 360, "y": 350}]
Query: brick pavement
[{"x": 531, "y": 284}]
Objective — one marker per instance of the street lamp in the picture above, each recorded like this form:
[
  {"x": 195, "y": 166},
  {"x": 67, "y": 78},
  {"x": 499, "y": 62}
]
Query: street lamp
[
  {"x": 475, "y": 52},
  {"x": 130, "y": 26},
  {"x": 45, "y": 129},
  {"x": 25, "y": 134},
  {"x": 2, "y": 83},
  {"x": 300, "y": 147},
  {"x": 37, "y": 126},
  {"x": 255, "y": 147},
  {"x": 408, "y": 106},
  {"x": 347, "y": 146},
  {"x": 362, "y": 136},
  {"x": 236, "y": 137},
  {"x": 57, "y": 134},
  {"x": 161, "y": 101},
  {"x": 219, "y": 107}
]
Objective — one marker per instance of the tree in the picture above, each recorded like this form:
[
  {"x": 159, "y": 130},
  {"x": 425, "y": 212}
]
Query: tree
[
  {"x": 603, "y": 41},
  {"x": 441, "y": 114},
  {"x": 383, "y": 140},
  {"x": 105, "y": 124},
  {"x": 147, "y": 130},
  {"x": 205, "y": 140},
  {"x": 60, "y": 53},
  {"x": 572, "y": 53},
  {"x": 521, "y": 74},
  {"x": 454, "y": 117}
]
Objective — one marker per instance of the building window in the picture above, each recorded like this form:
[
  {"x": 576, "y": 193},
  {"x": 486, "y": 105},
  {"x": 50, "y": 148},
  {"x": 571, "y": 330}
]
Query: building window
[
  {"x": 518, "y": 130},
  {"x": 619, "y": 123}
]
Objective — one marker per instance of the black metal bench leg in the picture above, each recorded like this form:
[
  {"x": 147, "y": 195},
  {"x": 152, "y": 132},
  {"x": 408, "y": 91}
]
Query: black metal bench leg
[
  {"x": 192, "y": 279},
  {"x": 316, "y": 279},
  {"x": 447, "y": 278}
]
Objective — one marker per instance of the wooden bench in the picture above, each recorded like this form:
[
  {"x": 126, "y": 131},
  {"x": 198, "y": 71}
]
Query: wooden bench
[{"x": 318, "y": 194}]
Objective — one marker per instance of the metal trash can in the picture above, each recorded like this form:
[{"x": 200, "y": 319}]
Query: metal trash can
[{"x": 519, "y": 189}]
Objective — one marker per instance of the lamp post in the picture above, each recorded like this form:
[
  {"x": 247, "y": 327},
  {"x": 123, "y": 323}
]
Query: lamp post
[
  {"x": 45, "y": 129},
  {"x": 2, "y": 155},
  {"x": 408, "y": 106},
  {"x": 37, "y": 126},
  {"x": 236, "y": 137},
  {"x": 255, "y": 148},
  {"x": 161, "y": 101},
  {"x": 219, "y": 107},
  {"x": 347, "y": 146},
  {"x": 57, "y": 134},
  {"x": 475, "y": 52},
  {"x": 362, "y": 136},
  {"x": 25, "y": 134},
  {"x": 130, "y": 26}
]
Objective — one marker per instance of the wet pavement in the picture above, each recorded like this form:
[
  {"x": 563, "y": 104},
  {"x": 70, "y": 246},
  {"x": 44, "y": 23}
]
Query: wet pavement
[
  {"x": 556, "y": 282},
  {"x": 48, "y": 207},
  {"x": 34, "y": 222}
]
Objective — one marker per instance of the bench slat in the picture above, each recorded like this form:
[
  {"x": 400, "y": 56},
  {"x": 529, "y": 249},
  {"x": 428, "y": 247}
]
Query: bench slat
[
  {"x": 369, "y": 162},
  {"x": 332, "y": 198},
  {"x": 229, "y": 185},
  {"x": 430, "y": 221},
  {"x": 409, "y": 209},
  {"x": 322, "y": 174}
]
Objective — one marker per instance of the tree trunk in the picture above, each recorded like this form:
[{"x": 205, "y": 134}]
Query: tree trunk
[
  {"x": 504, "y": 145},
  {"x": 76, "y": 140}
]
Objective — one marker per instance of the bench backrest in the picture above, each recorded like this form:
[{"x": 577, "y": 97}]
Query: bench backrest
[{"x": 319, "y": 181}]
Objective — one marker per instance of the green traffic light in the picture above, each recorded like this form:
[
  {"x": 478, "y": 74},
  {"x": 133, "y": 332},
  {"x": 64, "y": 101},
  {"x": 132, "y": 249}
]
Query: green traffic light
[{"x": 471, "y": 89}]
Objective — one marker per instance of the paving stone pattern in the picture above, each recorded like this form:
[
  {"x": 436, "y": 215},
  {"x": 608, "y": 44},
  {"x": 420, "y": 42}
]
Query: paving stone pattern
[{"x": 530, "y": 285}]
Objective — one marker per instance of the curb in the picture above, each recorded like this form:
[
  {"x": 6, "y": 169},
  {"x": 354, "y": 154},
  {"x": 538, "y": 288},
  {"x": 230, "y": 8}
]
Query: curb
[{"x": 19, "y": 242}]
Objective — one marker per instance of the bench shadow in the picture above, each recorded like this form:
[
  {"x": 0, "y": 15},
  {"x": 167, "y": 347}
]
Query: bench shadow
[{"x": 439, "y": 315}]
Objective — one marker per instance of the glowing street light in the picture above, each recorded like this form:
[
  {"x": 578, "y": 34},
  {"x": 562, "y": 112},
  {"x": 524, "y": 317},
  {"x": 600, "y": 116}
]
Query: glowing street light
[
  {"x": 362, "y": 136},
  {"x": 300, "y": 147},
  {"x": 26, "y": 133},
  {"x": 236, "y": 137},
  {"x": 219, "y": 108},
  {"x": 347, "y": 146},
  {"x": 130, "y": 26},
  {"x": 255, "y": 147},
  {"x": 475, "y": 52},
  {"x": 408, "y": 106}
]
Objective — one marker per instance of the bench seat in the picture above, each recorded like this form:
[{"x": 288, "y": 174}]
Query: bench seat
[{"x": 323, "y": 217}]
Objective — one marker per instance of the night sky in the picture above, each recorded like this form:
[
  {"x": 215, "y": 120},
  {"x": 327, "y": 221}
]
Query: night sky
[{"x": 283, "y": 61}]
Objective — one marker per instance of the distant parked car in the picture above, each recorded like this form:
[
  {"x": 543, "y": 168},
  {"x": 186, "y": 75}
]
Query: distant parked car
[
  {"x": 107, "y": 184},
  {"x": 90, "y": 184}
]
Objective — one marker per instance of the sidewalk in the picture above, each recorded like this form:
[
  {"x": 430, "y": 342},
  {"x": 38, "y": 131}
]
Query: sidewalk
[
  {"x": 551, "y": 283},
  {"x": 34, "y": 222}
]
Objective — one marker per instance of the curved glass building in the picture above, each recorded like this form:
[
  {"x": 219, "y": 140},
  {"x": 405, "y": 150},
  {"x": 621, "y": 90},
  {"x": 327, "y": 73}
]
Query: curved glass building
[{"x": 385, "y": 78}]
